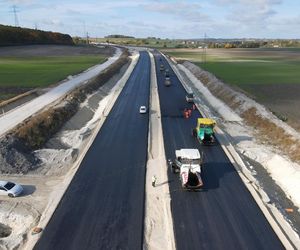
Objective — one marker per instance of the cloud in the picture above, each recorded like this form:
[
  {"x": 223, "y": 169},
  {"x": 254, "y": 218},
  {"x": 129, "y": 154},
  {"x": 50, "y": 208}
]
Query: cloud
[
  {"x": 160, "y": 18},
  {"x": 183, "y": 10},
  {"x": 250, "y": 14},
  {"x": 248, "y": 2},
  {"x": 17, "y": 2},
  {"x": 53, "y": 22}
]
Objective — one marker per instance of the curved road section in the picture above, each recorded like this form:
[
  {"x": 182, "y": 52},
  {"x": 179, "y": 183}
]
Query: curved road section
[
  {"x": 103, "y": 208},
  {"x": 222, "y": 216}
]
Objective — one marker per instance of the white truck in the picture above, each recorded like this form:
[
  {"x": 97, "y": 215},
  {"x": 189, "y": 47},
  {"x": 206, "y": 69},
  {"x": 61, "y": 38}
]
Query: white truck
[{"x": 188, "y": 164}]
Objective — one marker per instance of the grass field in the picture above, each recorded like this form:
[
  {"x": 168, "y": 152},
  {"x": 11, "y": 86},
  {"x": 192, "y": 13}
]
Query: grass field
[
  {"x": 244, "y": 67},
  {"x": 144, "y": 42},
  {"x": 41, "y": 71},
  {"x": 31, "y": 72}
]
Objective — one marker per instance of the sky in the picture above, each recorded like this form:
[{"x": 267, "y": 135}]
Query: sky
[{"x": 174, "y": 19}]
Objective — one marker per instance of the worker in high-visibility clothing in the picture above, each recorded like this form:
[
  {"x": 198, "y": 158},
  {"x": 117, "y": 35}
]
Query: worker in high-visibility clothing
[{"x": 154, "y": 179}]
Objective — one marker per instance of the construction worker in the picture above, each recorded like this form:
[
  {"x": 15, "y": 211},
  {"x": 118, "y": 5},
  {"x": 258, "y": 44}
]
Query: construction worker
[
  {"x": 185, "y": 113},
  {"x": 154, "y": 180}
]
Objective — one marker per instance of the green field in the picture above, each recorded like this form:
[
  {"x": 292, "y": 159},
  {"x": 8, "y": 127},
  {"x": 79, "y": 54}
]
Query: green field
[
  {"x": 243, "y": 67},
  {"x": 32, "y": 72},
  {"x": 21, "y": 73},
  {"x": 239, "y": 73},
  {"x": 144, "y": 42}
]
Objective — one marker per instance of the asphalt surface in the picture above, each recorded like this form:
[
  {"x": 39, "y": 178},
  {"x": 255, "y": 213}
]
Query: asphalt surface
[
  {"x": 103, "y": 207},
  {"x": 223, "y": 215}
]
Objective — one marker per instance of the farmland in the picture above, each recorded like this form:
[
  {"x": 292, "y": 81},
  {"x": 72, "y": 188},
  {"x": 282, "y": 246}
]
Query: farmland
[
  {"x": 270, "y": 76},
  {"x": 144, "y": 42},
  {"x": 37, "y": 69},
  {"x": 247, "y": 66}
]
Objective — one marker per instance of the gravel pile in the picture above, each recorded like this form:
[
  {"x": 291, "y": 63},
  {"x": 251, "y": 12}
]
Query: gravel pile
[{"x": 15, "y": 158}]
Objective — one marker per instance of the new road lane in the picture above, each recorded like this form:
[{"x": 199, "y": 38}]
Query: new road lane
[
  {"x": 222, "y": 216},
  {"x": 103, "y": 207}
]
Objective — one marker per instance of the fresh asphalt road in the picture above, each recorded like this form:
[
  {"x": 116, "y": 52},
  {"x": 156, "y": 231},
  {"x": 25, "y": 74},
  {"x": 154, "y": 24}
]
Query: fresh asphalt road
[
  {"x": 103, "y": 208},
  {"x": 222, "y": 216}
]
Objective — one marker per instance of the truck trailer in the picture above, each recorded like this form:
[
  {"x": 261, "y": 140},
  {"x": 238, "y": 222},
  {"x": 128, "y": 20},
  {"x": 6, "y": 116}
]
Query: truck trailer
[{"x": 188, "y": 163}]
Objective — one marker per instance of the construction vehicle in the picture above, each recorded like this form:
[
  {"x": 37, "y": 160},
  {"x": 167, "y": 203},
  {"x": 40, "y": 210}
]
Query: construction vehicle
[
  {"x": 188, "y": 164},
  {"x": 167, "y": 73},
  {"x": 167, "y": 81},
  {"x": 204, "y": 131},
  {"x": 189, "y": 97}
]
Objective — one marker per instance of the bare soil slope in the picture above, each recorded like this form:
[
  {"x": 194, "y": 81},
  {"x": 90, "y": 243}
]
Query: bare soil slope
[{"x": 282, "y": 99}]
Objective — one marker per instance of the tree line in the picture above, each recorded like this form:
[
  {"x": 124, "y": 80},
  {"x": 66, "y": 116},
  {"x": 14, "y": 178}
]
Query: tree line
[{"x": 10, "y": 35}]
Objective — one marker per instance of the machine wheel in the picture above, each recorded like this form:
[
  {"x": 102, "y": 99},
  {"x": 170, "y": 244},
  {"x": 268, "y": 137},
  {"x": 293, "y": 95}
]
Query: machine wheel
[
  {"x": 10, "y": 195},
  {"x": 173, "y": 170},
  {"x": 194, "y": 132}
]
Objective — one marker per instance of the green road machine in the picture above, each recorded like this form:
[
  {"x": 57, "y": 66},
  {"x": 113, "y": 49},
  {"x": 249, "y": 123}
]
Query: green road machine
[{"x": 204, "y": 131}]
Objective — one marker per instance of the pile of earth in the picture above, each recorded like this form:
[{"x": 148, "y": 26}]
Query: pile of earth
[{"x": 15, "y": 156}]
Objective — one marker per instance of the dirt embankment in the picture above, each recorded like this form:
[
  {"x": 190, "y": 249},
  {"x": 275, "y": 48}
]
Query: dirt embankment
[
  {"x": 16, "y": 147},
  {"x": 269, "y": 128}
]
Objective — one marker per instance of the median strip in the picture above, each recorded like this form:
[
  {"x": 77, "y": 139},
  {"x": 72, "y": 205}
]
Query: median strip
[{"x": 158, "y": 230}]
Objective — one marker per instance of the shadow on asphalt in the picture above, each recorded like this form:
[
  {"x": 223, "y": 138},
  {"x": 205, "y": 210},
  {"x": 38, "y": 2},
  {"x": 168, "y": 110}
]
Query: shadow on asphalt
[
  {"x": 163, "y": 183},
  {"x": 213, "y": 172},
  {"x": 28, "y": 190}
]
